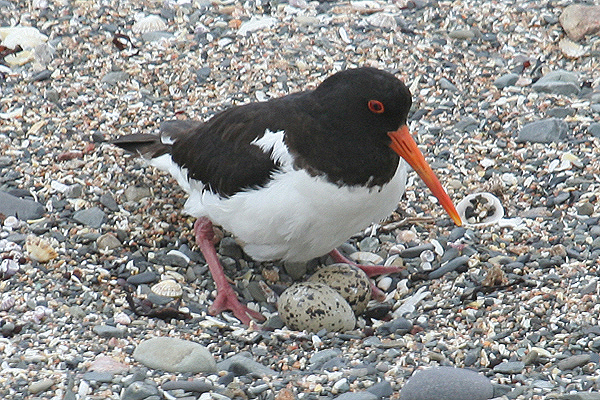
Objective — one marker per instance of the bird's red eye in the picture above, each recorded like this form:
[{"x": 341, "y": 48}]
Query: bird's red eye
[{"x": 376, "y": 106}]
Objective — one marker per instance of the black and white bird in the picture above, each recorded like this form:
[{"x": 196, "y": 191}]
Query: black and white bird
[{"x": 292, "y": 178}]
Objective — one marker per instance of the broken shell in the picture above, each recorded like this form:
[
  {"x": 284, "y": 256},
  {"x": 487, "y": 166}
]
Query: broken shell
[
  {"x": 571, "y": 49},
  {"x": 11, "y": 222},
  {"x": 8, "y": 267},
  {"x": 479, "y": 210},
  {"x": 151, "y": 23},
  {"x": 39, "y": 249},
  {"x": 167, "y": 288}
]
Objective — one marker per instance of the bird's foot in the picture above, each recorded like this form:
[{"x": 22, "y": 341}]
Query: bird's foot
[
  {"x": 227, "y": 300},
  {"x": 370, "y": 270}
]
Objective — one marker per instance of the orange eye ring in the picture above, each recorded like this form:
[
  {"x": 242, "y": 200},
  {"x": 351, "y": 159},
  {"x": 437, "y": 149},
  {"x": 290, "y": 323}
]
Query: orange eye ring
[{"x": 375, "y": 106}]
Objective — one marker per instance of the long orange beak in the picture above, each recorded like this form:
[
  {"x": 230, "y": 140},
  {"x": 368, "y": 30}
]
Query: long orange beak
[{"x": 406, "y": 147}]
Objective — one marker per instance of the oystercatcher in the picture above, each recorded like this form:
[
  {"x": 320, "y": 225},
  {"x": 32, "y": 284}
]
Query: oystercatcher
[{"x": 292, "y": 178}]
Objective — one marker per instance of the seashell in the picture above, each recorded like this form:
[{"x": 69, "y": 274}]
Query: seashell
[
  {"x": 571, "y": 49},
  {"x": 8, "y": 268},
  {"x": 12, "y": 222},
  {"x": 406, "y": 236},
  {"x": 7, "y": 303},
  {"x": 365, "y": 257},
  {"x": 40, "y": 249},
  {"x": 479, "y": 210},
  {"x": 167, "y": 288},
  {"x": 151, "y": 23},
  {"x": 25, "y": 36},
  {"x": 122, "y": 318}
]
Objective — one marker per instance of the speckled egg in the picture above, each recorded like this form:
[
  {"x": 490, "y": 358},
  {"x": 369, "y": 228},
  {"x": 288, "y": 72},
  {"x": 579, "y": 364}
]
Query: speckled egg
[
  {"x": 351, "y": 282},
  {"x": 313, "y": 306}
]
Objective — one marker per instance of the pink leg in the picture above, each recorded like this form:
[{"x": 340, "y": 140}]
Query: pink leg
[
  {"x": 370, "y": 270},
  {"x": 226, "y": 297}
]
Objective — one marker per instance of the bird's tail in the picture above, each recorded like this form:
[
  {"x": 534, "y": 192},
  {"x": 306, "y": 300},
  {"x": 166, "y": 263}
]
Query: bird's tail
[{"x": 153, "y": 146}]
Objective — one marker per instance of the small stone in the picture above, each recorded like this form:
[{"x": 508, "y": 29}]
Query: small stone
[
  {"x": 157, "y": 36},
  {"x": 361, "y": 395},
  {"x": 447, "y": 383},
  {"x": 586, "y": 208},
  {"x": 198, "y": 386},
  {"x": 107, "y": 331},
  {"x": 543, "y": 131},
  {"x": 113, "y": 77},
  {"x": 93, "y": 376},
  {"x": 467, "y": 124},
  {"x": 139, "y": 391},
  {"x": 558, "y": 82},
  {"x": 108, "y": 201},
  {"x": 41, "y": 76},
  {"x": 136, "y": 193},
  {"x": 447, "y": 85},
  {"x": 40, "y": 386},
  {"x": 143, "y": 277},
  {"x": 462, "y": 34},
  {"x": 448, "y": 267},
  {"x": 295, "y": 270},
  {"x": 573, "y": 362},
  {"x": 92, "y": 217},
  {"x": 108, "y": 241},
  {"x": 506, "y": 80},
  {"x": 381, "y": 389},
  {"x": 579, "y": 20},
  {"x": 415, "y": 251},
  {"x": 24, "y": 209},
  {"x": 174, "y": 355},
  {"x": 510, "y": 367},
  {"x": 241, "y": 365},
  {"x": 594, "y": 129}
]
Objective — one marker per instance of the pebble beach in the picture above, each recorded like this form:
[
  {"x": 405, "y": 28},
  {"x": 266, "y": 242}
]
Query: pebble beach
[{"x": 506, "y": 101}]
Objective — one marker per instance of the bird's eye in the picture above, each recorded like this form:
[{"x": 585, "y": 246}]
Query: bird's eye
[{"x": 375, "y": 106}]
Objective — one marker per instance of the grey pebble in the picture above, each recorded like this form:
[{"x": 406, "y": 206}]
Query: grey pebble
[
  {"x": 447, "y": 383},
  {"x": 243, "y": 364},
  {"x": 108, "y": 201},
  {"x": 381, "y": 389},
  {"x": 510, "y": 367},
  {"x": 92, "y": 217},
  {"x": 40, "y": 386},
  {"x": 95, "y": 376},
  {"x": 143, "y": 277},
  {"x": 462, "y": 34},
  {"x": 581, "y": 396},
  {"x": 561, "y": 112},
  {"x": 228, "y": 247},
  {"x": 295, "y": 270},
  {"x": 415, "y": 251},
  {"x": 573, "y": 361},
  {"x": 196, "y": 385},
  {"x": 362, "y": 395},
  {"x": 447, "y": 85},
  {"x": 108, "y": 241},
  {"x": 594, "y": 129},
  {"x": 113, "y": 77},
  {"x": 449, "y": 267},
  {"x": 107, "y": 331},
  {"x": 467, "y": 124},
  {"x": 137, "y": 193},
  {"x": 322, "y": 356},
  {"x": 543, "y": 131},
  {"x": 506, "y": 80},
  {"x": 174, "y": 355},
  {"x": 139, "y": 391},
  {"x": 24, "y": 209},
  {"x": 41, "y": 76},
  {"x": 558, "y": 82}
]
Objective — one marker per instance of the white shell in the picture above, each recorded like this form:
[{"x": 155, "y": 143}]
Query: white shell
[
  {"x": 25, "y": 36},
  {"x": 151, "y": 23},
  {"x": 11, "y": 222},
  {"x": 313, "y": 306},
  {"x": 571, "y": 49},
  {"x": 39, "y": 249},
  {"x": 167, "y": 288},
  {"x": 461, "y": 207},
  {"x": 351, "y": 282}
]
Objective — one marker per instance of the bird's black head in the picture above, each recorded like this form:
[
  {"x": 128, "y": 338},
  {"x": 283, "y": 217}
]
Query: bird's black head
[{"x": 364, "y": 102}]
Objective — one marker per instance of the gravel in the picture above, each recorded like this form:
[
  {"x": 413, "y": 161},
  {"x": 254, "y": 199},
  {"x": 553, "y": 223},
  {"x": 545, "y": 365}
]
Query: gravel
[{"x": 501, "y": 104}]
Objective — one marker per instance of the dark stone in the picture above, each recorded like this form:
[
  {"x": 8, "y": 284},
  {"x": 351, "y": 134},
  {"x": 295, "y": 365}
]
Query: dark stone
[
  {"x": 23, "y": 209},
  {"x": 543, "y": 131}
]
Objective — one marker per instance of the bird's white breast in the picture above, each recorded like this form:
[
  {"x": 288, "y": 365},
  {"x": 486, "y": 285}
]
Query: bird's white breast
[{"x": 295, "y": 216}]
